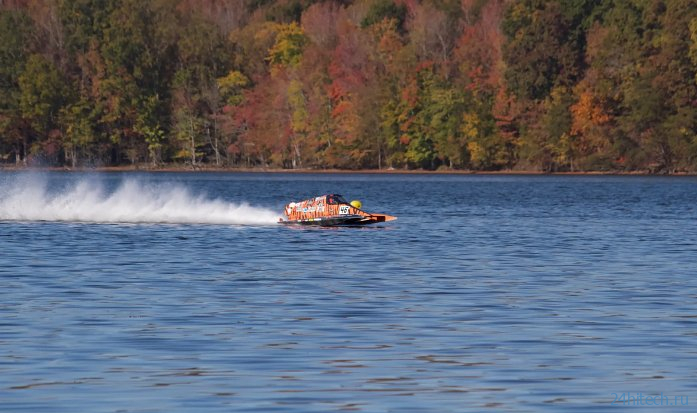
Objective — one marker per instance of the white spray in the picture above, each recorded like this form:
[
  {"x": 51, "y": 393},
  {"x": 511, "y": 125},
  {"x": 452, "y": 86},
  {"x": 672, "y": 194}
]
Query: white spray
[{"x": 131, "y": 202}]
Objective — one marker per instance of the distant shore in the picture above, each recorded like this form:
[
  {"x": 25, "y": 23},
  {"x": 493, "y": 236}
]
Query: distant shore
[{"x": 208, "y": 169}]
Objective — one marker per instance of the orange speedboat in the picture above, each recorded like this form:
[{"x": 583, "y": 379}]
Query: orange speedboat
[{"x": 330, "y": 210}]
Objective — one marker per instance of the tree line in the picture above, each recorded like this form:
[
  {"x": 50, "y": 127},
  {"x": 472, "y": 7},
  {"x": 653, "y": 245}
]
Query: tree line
[{"x": 548, "y": 85}]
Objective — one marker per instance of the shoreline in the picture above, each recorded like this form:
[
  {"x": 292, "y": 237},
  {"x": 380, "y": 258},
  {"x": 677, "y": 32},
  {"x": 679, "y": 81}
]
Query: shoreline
[{"x": 212, "y": 169}]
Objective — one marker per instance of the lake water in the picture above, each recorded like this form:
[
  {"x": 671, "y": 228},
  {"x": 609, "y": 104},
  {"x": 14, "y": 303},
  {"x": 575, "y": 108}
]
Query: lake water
[{"x": 177, "y": 292}]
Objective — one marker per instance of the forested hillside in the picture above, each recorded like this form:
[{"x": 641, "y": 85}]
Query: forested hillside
[{"x": 548, "y": 85}]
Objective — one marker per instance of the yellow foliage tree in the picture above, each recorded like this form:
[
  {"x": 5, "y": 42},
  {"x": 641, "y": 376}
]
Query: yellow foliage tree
[
  {"x": 231, "y": 86},
  {"x": 288, "y": 47}
]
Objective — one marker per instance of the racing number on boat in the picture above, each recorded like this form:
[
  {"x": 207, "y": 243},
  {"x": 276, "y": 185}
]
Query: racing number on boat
[{"x": 343, "y": 209}]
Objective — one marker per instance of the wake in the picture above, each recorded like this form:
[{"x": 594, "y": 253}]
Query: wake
[{"x": 131, "y": 202}]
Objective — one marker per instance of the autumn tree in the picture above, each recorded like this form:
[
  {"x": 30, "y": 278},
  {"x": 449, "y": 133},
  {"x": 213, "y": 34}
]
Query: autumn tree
[
  {"x": 544, "y": 60},
  {"x": 203, "y": 57},
  {"x": 15, "y": 37},
  {"x": 485, "y": 135},
  {"x": 43, "y": 92}
]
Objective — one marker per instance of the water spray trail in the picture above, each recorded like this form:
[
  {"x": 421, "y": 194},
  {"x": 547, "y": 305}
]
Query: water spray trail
[{"x": 131, "y": 202}]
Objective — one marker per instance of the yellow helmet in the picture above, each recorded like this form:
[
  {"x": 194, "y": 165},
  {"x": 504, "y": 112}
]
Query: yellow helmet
[{"x": 356, "y": 204}]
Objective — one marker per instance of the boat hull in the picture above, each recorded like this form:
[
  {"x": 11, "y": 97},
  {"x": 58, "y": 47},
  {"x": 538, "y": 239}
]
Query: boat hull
[{"x": 338, "y": 221}]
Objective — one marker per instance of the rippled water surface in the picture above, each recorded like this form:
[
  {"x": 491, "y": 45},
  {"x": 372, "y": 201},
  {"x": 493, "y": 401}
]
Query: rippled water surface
[{"x": 178, "y": 293}]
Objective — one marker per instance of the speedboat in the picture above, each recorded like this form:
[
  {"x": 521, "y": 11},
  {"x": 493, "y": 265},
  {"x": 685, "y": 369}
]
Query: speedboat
[{"x": 330, "y": 210}]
